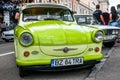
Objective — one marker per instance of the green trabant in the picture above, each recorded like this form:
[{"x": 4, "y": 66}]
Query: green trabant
[{"x": 47, "y": 37}]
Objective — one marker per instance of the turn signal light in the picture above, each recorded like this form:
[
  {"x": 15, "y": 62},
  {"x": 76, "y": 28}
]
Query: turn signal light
[
  {"x": 26, "y": 54},
  {"x": 97, "y": 49}
]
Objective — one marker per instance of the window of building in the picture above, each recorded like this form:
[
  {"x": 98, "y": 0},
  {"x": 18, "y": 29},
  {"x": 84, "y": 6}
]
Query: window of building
[
  {"x": 40, "y": 0},
  {"x": 58, "y": 1},
  {"x": 48, "y": 0}
]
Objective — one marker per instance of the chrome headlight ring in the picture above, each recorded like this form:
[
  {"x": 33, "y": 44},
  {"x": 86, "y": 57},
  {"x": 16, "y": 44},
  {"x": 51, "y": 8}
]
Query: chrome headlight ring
[
  {"x": 98, "y": 36},
  {"x": 26, "y": 39}
]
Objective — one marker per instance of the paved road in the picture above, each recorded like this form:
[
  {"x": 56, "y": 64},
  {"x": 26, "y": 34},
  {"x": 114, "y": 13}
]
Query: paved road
[
  {"x": 111, "y": 69},
  {"x": 6, "y": 47},
  {"x": 9, "y": 71}
]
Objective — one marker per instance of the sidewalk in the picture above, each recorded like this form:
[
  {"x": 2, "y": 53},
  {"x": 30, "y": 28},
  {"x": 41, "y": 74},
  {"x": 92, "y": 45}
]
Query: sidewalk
[
  {"x": 111, "y": 68},
  {"x": 1, "y": 40}
]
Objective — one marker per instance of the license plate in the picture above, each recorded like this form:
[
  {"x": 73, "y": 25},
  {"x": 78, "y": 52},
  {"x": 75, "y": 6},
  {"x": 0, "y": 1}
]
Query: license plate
[{"x": 66, "y": 62}]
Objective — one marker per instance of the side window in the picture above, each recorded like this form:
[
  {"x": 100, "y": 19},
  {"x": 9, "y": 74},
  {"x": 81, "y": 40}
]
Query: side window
[{"x": 67, "y": 16}]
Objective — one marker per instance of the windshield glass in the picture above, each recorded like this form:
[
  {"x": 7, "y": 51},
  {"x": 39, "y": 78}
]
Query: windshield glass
[{"x": 43, "y": 13}]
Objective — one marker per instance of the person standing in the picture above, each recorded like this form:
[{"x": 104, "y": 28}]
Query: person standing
[
  {"x": 118, "y": 9},
  {"x": 106, "y": 17},
  {"x": 113, "y": 17},
  {"x": 97, "y": 14},
  {"x": 16, "y": 17},
  {"x": 118, "y": 12}
]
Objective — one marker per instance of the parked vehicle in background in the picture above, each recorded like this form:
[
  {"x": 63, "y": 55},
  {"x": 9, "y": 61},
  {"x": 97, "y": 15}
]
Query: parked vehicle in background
[
  {"x": 47, "y": 37},
  {"x": 111, "y": 33},
  {"x": 7, "y": 35}
]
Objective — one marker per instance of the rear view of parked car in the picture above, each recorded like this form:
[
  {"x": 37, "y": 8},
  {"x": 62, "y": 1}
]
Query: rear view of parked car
[{"x": 47, "y": 37}]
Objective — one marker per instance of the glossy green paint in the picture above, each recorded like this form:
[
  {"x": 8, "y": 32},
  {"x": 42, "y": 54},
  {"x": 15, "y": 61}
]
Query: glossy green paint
[
  {"x": 42, "y": 58},
  {"x": 55, "y": 34}
]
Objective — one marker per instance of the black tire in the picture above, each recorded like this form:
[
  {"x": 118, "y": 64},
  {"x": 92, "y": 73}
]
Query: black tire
[
  {"x": 109, "y": 44},
  {"x": 22, "y": 72},
  {"x": 90, "y": 66},
  {"x": 6, "y": 40}
]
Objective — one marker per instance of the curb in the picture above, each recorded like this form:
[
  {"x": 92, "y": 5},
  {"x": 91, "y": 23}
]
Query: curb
[{"x": 98, "y": 66}]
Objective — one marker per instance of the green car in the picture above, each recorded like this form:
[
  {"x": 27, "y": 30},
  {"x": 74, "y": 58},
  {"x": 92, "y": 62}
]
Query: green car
[{"x": 47, "y": 37}]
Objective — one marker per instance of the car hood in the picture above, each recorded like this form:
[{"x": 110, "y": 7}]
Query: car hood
[
  {"x": 105, "y": 27},
  {"x": 55, "y": 36},
  {"x": 57, "y": 32}
]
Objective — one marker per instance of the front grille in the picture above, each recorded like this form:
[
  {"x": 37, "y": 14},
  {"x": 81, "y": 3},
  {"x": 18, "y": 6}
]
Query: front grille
[
  {"x": 108, "y": 32},
  {"x": 111, "y": 31}
]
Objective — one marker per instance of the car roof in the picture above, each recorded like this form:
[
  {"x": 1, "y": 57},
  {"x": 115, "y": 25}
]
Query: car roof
[{"x": 32, "y": 5}]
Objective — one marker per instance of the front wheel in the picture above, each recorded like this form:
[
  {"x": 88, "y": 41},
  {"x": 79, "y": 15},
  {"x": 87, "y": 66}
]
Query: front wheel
[
  {"x": 22, "y": 72},
  {"x": 109, "y": 44}
]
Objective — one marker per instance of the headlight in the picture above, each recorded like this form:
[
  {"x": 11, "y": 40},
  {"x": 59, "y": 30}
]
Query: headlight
[
  {"x": 115, "y": 31},
  {"x": 26, "y": 39},
  {"x": 98, "y": 36}
]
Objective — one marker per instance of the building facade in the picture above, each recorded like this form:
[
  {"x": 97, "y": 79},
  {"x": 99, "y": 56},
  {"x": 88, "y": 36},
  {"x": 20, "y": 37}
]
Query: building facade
[
  {"x": 72, "y": 4},
  {"x": 104, "y": 5},
  {"x": 80, "y": 6},
  {"x": 88, "y": 6}
]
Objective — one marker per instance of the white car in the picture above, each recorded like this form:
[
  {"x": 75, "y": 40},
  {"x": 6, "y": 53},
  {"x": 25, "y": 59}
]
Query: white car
[
  {"x": 112, "y": 33},
  {"x": 8, "y": 35}
]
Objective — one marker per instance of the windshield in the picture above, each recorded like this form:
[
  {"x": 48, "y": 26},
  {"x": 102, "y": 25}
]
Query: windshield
[{"x": 43, "y": 13}]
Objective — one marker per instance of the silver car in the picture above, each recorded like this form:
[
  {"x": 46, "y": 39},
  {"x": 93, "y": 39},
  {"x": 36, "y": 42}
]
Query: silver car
[{"x": 8, "y": 35}]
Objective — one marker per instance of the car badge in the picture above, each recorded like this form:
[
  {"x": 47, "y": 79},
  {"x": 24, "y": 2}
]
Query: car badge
[{"x": 65, "y": 50}]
